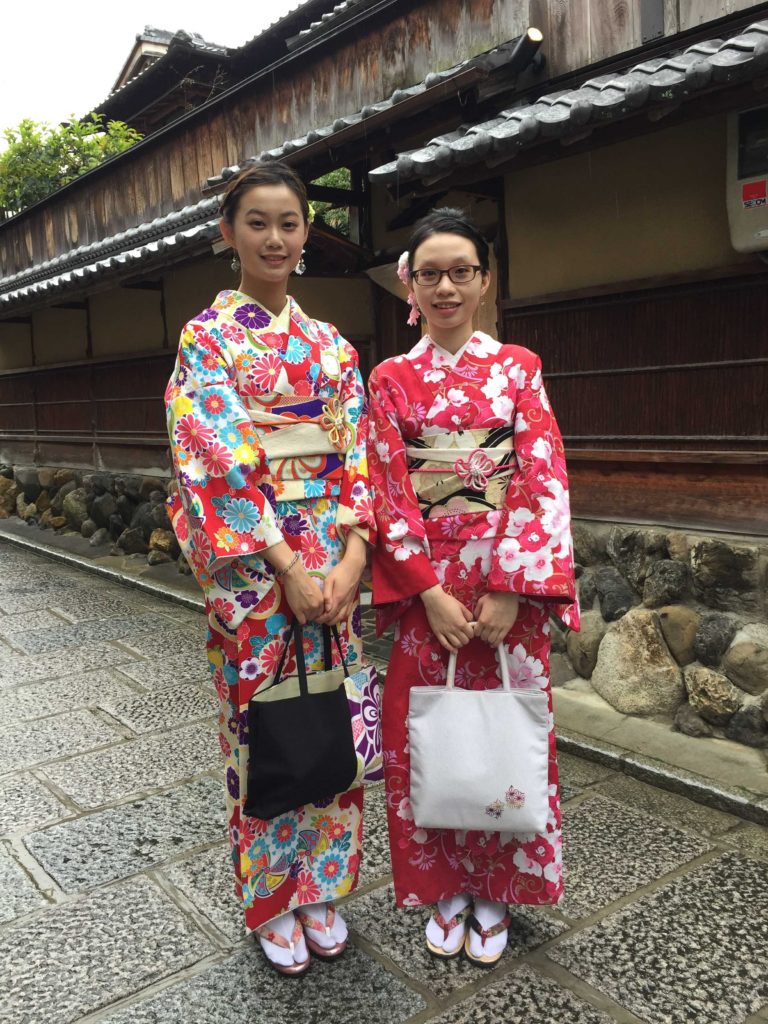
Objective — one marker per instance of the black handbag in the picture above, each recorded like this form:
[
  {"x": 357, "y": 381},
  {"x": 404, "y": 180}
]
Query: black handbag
[{"x": 301, "y": 749}]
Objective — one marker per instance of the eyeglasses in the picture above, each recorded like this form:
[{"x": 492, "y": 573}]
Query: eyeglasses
[{"x": 429, "y": 277}]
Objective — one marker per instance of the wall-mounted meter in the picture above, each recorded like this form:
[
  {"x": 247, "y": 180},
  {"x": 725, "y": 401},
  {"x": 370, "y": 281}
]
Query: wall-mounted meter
[{"x": 747, "y": 187}]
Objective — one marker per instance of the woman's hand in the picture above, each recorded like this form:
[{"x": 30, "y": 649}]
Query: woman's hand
[
  {"x": 303, "y": 594},
  {"x": 495, "y": 615},
  {"x": 342, "y": 582},
  {"x": 448, "y": 619}
]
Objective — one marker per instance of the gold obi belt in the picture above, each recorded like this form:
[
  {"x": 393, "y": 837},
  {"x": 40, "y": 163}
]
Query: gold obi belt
[
  {"x": 461, "y": 472},
  {"x": 304, "y": 444}
]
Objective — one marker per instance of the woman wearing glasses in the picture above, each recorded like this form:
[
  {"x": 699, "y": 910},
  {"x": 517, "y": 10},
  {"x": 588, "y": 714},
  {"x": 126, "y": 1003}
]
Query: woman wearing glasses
[{"x": 471, "y": 502}]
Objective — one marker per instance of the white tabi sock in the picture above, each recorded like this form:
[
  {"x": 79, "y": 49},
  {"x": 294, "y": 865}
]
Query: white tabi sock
[
  {"x": 319, "y": 912},
  {"x": 488, "y": 914},
  {"x": 448, "y": 908},
  {"x": 284, "y": 926}
]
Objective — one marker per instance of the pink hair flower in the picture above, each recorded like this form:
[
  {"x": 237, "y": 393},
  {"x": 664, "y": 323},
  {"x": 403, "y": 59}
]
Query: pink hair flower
[{"x": 404, "y": 273}]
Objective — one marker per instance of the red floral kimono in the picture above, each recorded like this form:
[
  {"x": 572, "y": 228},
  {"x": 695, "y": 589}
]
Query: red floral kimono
[{"x": 470, "y": 491}]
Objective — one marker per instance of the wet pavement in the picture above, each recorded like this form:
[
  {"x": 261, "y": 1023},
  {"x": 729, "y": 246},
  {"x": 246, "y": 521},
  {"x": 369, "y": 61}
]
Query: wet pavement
[{"x": 116, "y": 900}]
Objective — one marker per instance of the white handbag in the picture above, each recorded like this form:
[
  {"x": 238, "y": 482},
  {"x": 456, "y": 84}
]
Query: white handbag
[{"x": 479, "y": 758}]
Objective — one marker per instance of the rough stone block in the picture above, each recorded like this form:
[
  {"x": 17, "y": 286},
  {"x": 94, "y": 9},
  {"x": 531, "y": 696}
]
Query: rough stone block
[
  {"x": 667, "y": 581},
  {"x": 712, "y": 694},
  {"x": 713, "y": 636},
  {"x": 679, "y": 624},
  {"x": 726, "y": 576},
  {"x": 583, "y": 646},
  {"x": 633, "y": 550},
  {"x": 746, "y": 660},
  {"x": 615, "y": 594},
  {"x": 635, "y": 672}
]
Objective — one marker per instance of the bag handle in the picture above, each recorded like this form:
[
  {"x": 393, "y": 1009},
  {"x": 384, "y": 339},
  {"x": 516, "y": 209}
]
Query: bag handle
[
  {"x": 294, "y": 633},
  {"x": 501, "y": 656}
]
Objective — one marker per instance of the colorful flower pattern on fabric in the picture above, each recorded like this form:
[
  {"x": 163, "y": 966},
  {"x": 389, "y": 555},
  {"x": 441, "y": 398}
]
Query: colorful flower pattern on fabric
[
  {"x": 236, "y": 360},
  {"x": 523, "y": 547}
]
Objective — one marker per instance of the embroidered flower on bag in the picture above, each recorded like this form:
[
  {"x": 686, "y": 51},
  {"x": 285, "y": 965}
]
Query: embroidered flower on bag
[
  {"x": 515, "y": 798},
  {"x": 494, "y": 810}
]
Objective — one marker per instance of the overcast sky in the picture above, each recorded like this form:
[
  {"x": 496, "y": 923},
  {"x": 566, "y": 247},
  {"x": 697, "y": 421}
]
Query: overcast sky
[{"x": 62, "y": 58}]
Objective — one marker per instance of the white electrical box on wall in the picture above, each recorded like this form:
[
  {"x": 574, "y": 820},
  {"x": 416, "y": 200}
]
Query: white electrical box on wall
[{"x": 747, "y": 179}]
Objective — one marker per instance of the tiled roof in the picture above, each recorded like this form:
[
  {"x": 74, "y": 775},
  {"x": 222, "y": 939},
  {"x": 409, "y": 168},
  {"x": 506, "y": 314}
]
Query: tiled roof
[
  {"x": 485, "y": 63},
  {"x": 330, "y": 20},
  {"x": 178, "y": 42},
  {"x": 655, "y": 83},
  {"x": 81, "y": 266}
]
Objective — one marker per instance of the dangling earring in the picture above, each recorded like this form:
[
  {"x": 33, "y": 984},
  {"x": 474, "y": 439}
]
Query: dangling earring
[
  {"x": 235, "y": 264},
  {"x": 301, "y": 266}
]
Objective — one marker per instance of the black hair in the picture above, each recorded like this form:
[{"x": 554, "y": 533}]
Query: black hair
[
  {"x": 262, "y": 173},
  {"x": 447, "y": 220}
]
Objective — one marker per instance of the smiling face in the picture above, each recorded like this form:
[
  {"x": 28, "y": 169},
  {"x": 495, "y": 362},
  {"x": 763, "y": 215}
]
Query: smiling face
[
  {"x": 449, "y": 307},
  {"x": 268, "y": 232}
]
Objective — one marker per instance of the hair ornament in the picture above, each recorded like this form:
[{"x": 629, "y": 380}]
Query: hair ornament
[{"x": 404, "y": 273}]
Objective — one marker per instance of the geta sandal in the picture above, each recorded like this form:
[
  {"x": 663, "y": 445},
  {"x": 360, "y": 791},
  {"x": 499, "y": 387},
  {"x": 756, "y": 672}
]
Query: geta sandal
[
  {"x": 311, "y": 923},
  {"x": 291, "y": 970},
  {"x": 486, "y": 933},
  {"x": 448, "y": 926}
]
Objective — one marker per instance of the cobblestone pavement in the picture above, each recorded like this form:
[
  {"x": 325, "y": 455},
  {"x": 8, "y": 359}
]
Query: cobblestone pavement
[{"x": 116, "y": 902}]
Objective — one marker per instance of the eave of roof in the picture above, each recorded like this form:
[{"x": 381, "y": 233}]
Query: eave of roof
[
  {"x": 373, "y": 116},
  {"x": 82, "y": 266},
  {"x": 656, "y": 82},
  {"x": 331, "y": 20}
]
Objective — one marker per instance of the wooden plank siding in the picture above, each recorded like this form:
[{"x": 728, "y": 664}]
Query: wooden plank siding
[{"x": 660, "y": 395}]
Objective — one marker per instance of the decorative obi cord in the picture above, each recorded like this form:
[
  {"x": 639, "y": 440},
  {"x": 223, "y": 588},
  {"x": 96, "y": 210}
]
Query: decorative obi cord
[
  {"x": 304, "y": 444},
  {"x": 460, "y": 472}
]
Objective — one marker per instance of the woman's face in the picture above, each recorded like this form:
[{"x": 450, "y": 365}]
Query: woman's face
[
  {"x": 446, "y": 305},
  {"x": 268, "y": 233}
]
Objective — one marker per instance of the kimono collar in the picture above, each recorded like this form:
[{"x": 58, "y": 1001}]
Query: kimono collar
[
  {"x": 480, "y": 344},
  {"x": 249, "y": 313}
]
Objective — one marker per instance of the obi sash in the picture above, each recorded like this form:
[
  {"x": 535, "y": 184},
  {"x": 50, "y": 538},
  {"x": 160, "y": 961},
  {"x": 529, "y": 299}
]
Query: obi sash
[
  {"x": 461, "y": 472},
  {"x": 304, "y": 443}
]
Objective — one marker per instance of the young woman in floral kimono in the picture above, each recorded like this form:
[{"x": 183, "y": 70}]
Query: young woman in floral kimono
[
  {"x": 474, "y": 548},
  {"x": 267, "y": 424}
]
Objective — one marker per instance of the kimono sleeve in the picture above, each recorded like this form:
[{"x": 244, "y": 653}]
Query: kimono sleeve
[
  {"x": 401, "y": 564},
  {"x": 532, "y": 552},
  {"x": 355, "y": 510},
  {"x": 222, "y": 471}
]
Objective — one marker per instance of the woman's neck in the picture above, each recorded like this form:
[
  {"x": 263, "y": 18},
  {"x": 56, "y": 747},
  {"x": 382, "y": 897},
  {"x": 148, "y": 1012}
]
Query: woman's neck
[
  {"x": 452, "y": 338},
  {"x": 272, "y": 297}
]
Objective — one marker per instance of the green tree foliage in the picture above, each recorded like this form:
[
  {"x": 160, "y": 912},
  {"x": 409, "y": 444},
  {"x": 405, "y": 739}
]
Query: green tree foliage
[
  {"x": 337, "y": 217},
  {"x": 39, "y": 159}
]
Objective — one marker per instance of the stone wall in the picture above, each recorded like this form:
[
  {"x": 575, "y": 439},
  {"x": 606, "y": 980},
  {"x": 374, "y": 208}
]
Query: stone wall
[
  {"x": 674, "y": 625},
  {"x": 123, "y": 512}
]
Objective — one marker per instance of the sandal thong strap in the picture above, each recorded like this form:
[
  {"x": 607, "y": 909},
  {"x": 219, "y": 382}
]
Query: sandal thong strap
[
  {"x": 448, "y": 926},
  {"x": 265, "y": 932},
  {"x": 495, "y": 929},
  {"x": 312, "y": 922}
]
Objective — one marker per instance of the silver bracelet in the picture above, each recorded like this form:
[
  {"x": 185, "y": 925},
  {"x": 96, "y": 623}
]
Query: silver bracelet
[{"x": 293, "y": 561}]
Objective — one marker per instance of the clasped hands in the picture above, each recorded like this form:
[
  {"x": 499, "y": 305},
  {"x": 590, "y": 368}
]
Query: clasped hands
[
  {"x": 335, "y": 601},
  {"x": 455, "y": 625}
]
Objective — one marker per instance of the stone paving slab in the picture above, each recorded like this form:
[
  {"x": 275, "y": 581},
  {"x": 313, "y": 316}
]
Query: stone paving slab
[
  {"x": 72, "y": 635},
  {"x": 26, "y": 804},
  {"x": 399, "y": 934},
  {"x": 695, "y": 951},
  {"x": 672, "y": 806},
  {"x": 610, "y": 850},
  {"x": 87, "y": 606},
  {"x": 18, "y": 894},
  {"x": 75, "y": 958},
  {"x": 169, "y": 642},
  {"x": 190, "y": 666},
  {"x": 22, "y": 622},
  {"x": 147, "y": 763},
  {"x": 165, "y": 708},
  {"x": 376, "y": 863},
  {"x": 130, "y": 838},
  {"x": 207, "y": 881},
  {"x": 524, "y": 996},
  {"x": 24, "y": 744},
  {"x": 22, "y": 668},
  {"x": 576, "y": 775},
  {"x": 244, "y": 990},
  {"x": 56, "y": 696}
]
